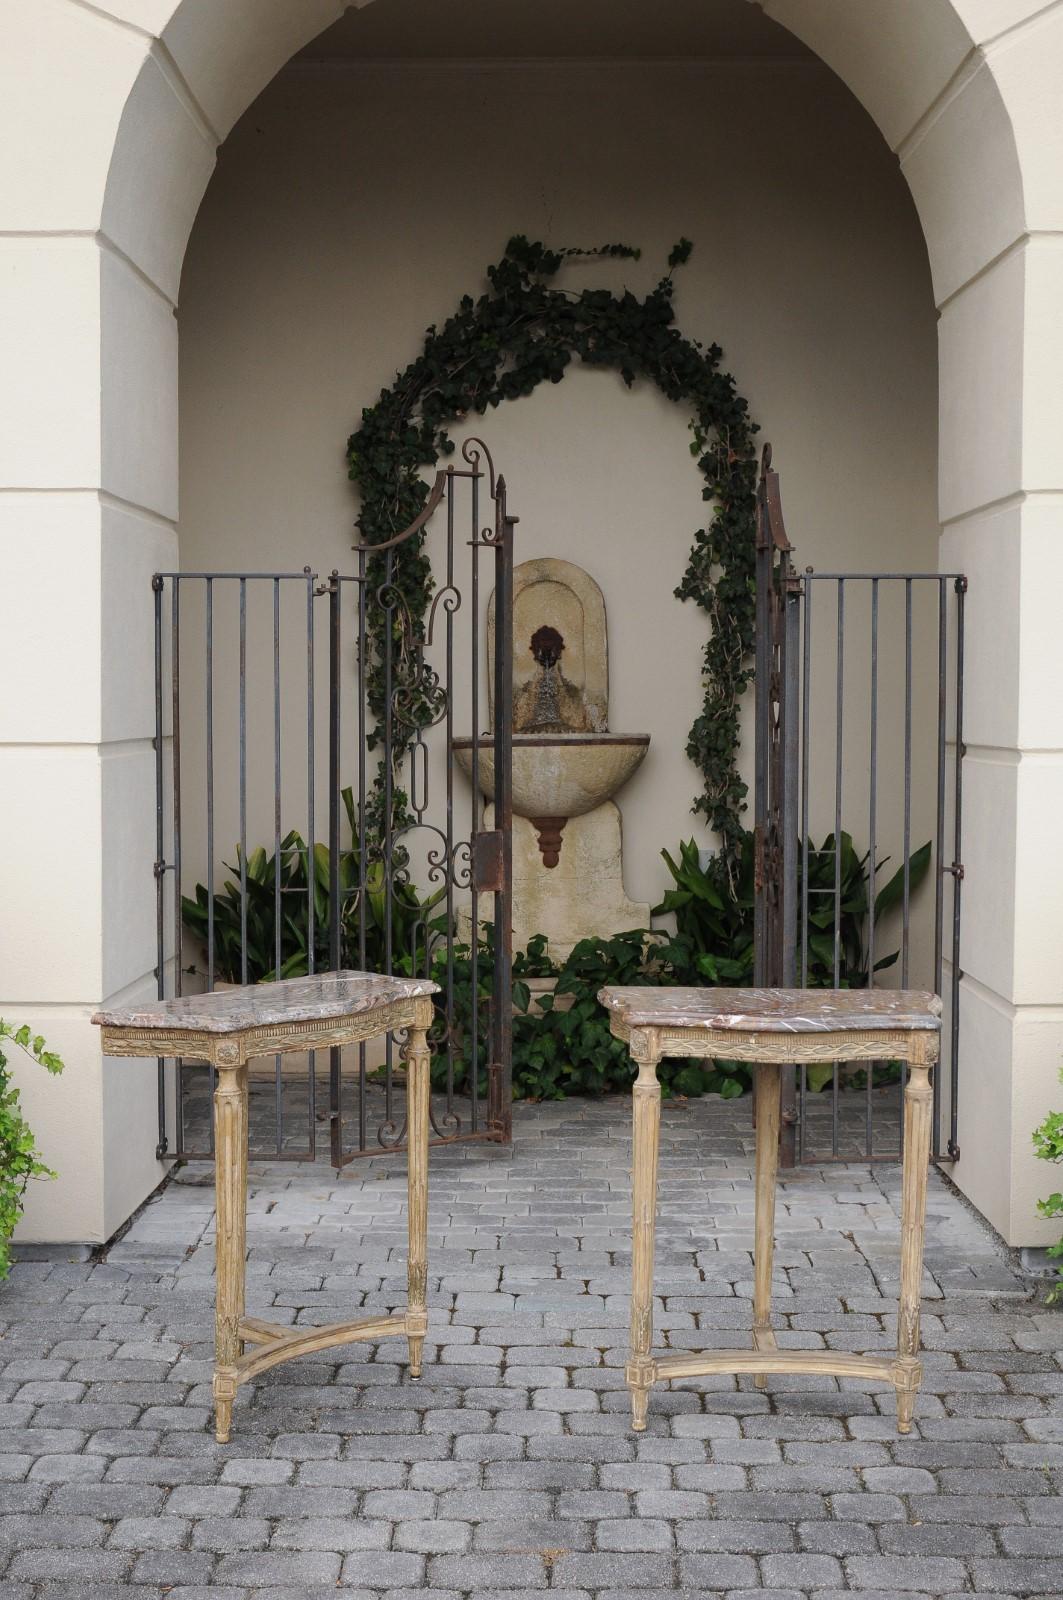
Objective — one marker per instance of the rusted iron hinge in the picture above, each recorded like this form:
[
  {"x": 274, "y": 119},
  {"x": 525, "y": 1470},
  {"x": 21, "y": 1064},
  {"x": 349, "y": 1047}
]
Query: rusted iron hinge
[
  {"x": 956, "y": 869},
  {"x": 487, "y": 869}
]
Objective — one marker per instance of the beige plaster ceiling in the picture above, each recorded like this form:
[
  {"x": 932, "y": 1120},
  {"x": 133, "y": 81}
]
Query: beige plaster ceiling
[{"x": 552, "y": 29}]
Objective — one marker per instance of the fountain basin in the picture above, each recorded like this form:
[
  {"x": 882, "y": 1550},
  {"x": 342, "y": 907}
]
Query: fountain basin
[{"x": 559, "y": 775}]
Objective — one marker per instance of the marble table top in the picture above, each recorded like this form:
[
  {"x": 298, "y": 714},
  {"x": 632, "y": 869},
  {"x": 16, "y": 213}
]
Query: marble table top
[
  {"x": 315, "y": 999},
  {"x": 773, "y": 1010}
]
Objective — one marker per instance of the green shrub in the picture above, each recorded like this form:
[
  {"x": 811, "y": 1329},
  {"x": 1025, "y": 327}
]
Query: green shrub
[
  {"x": 1048, "y": 1144},
  {"x": 556, "y": 1051},
  {"x": 563, "y": 1050},
  {"x": 714, "y": 914},
  {"x": 19, "y": 1157},
  {"x": 409, "y": 913}
]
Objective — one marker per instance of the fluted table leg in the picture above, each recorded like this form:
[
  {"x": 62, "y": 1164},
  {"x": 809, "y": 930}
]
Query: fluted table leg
[
  {"x": 918, "y": 1112},
  {"x": 767, "y": 1092},
  {"x": 230, "y": 1244},
  {"x": 418, "y": 1085},
  {"x": 646, "y": 1125}
]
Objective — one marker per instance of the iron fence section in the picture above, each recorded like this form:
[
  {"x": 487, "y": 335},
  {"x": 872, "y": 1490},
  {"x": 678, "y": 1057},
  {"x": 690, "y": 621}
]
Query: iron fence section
[
  {"x": 893, "y": 643},
  {"x": 930, "y": 715},
  {"x": 290, "y": 705}
]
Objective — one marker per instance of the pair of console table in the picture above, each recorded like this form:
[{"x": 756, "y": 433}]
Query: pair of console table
[{"x": 768, "y": 1027}]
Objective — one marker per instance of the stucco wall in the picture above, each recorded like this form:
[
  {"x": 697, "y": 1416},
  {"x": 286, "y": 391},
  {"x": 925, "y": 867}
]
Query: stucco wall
[
  {"x": 340, "y": 223},
  {"x": 112, "y": 116}
]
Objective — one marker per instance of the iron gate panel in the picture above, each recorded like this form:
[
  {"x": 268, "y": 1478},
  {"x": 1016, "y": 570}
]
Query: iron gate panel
[
  {"x": 272, "y": 722},
  {"x": 875, "y": 625}
]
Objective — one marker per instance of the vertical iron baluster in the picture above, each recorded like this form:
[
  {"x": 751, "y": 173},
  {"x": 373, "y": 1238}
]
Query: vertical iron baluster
[
  {"x": 474, "y": 821},
  {"x": 939, "y": 838},
  {"x": 789, "y": 600},
  {"x": 363, "y": 869},
  {"x": 501, "y": 1109},
  {"x": 838, "y": 749},
  {"x": 764, "y": 649},
  {"x": 806, "y": 739},
  {"x": 449, "y": 848},
  {"x": 806, "y": 823},
  {"x": 790, "y": 594},
  {"x": 389, "y": 812},
  {"x": 160, "y": 862},
  {"x": 906, "y": 916},
  {"x": 211, "y": 1074},
  {"x": 872, "y": 848},
  {"x": 278, "y": 1086},
  {"x": 838, "y": 744},
  {"x": 957, "y": 879},
  {"x": 210, "y": 790},
  {"x": 175, "y": 768},
  {"x": 907, "y": 839},
  {"x": 243, "y": 780},
  {"x": 334, "y": 909},
  {"x": 311, "y": 785}
]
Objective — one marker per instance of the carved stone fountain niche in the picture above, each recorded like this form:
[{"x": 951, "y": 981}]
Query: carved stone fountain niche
[{"x": 568, "y": 880}]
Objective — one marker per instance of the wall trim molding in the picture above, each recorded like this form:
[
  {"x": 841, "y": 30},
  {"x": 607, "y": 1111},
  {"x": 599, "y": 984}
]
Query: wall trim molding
[{"x": 489, "y": 64}]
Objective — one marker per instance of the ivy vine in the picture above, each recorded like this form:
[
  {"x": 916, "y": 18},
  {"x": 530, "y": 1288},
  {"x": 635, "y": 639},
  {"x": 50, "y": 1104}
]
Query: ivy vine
[{"x": 525, "y": 331}]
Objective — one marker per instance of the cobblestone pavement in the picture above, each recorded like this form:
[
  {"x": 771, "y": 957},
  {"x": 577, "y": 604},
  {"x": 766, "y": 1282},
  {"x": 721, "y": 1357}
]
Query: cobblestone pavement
[{"x": 510, "y": 1466}]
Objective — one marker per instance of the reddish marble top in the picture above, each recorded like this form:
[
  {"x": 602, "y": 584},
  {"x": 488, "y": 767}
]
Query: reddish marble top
[
  {"x": 316, "y": 999},
  {"x": 773, "y": 1010}
]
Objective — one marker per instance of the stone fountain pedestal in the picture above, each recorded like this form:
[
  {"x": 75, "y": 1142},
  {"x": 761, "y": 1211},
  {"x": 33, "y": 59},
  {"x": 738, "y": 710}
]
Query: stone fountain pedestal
[
  {"x": 568, "y": 879},
  {"x": 583, "y": 897}
]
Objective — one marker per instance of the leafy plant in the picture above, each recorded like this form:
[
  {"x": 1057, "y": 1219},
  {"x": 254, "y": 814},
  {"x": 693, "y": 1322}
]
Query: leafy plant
[
  {"x": 20, "y": 1159},
  {"x": 561, "y": 1039},
  {"x": 714, "y": 912},
  {"x": 1048, "y": 1145},
  {"x": 854, "y": 898},
  {"x": 523, "y": 332},
  {"x": 714, "y": 918},
  {"x": 368, "y": 893}
]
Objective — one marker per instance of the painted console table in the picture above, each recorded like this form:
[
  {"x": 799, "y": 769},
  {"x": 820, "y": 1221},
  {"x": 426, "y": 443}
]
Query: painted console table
[
  {"x": 227, "y": 1029},
  {"x": 772, "y": 1028}
]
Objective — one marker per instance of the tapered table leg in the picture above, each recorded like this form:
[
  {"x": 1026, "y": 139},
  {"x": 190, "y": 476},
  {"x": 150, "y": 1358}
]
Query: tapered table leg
[
  {"x": 418, "y": 1084},
  {"x": 230, "y": 1244},
  {"x": 646, "y": 1125},
  {"x": 918, "y": 1112},
  {"x": 767, "y": 1101}
]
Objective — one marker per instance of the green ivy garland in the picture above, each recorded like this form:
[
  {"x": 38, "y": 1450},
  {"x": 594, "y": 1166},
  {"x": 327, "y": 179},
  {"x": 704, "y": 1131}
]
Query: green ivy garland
[{"x": 520, "y": 333}]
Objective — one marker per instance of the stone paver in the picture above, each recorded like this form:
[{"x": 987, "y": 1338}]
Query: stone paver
[{"x": 510, "y": 1467}]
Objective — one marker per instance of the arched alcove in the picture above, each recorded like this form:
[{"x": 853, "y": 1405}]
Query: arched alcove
[{"x": 114, "y": 114}]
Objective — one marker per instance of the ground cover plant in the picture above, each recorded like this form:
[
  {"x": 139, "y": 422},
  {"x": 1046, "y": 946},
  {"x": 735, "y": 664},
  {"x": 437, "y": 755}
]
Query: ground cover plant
[
  {"x": 1048, "y": 1144},
  {"x": 20, "y": 1160},
  {"x": 561, "y": 1039},
  {"x": 251, "y": 946}
]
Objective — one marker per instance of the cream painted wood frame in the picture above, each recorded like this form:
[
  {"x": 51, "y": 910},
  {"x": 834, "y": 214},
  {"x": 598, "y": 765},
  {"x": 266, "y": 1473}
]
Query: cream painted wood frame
[
  {"x": 229, "y": 1053},
  {"x": 769, "y": 1051}
]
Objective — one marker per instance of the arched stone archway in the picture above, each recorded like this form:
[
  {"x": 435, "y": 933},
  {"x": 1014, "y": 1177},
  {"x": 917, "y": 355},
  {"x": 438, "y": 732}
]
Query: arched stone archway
[{"x": 114, "y": 111}]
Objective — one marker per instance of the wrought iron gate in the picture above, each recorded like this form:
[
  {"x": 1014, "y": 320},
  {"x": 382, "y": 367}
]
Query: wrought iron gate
[
  {"x": 898, "y": 639},
  {"x": 269, "y": 723}
]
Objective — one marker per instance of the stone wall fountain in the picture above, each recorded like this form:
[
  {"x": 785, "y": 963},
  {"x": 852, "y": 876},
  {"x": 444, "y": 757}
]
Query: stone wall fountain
[{"x": 568, "y": 880}]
